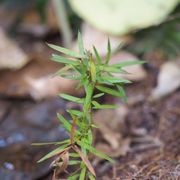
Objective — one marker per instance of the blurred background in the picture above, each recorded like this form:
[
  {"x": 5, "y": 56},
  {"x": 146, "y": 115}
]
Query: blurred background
[{"x": 144, "y": 128}]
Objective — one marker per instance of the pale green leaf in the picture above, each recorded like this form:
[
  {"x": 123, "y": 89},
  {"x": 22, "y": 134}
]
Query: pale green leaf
[
  {"x": 51, "y": 143},
  {"x": 65, "y": 123},
  {"x": 94, "y": 151},
  {"x": 98, "y": 95},
  {"x": 80, "y": 43},
  {"x": 64, "y": 60},
  {"x": 108, "y": 55},
  {"x": 71, "y": 98},
  {"x": 123, "y": 93},
  {"x": 74, "y": 155},
  {"x": 70, "y": 76},
  {"x": 109, "y": 91},
  {"x": 112, "y": 80},
  {"x": 98, "y": 58},
  {"x": 65, "y": 69},
  {"x": 94, "y": 126},
  {"x": 112, "y": 69},
  {"x": 74, "y": 162},
  {"x": 73, "y": 177},
  {"x": 89, "y": 91},
  {"x": 91, "y": 177},
  {"x": 128, "y": 63},
  {"x": 90, "y": 136},
  {"x": 93, "y": 71},
  {"x": 66, "y": 51},
  {"x": 44, "y": 144},
  {"x": 104, "y": 106},
  {"x": 75, "y": 112},
  {"x": 83, "y": 173},
  {"x": 54, "y": 152}
]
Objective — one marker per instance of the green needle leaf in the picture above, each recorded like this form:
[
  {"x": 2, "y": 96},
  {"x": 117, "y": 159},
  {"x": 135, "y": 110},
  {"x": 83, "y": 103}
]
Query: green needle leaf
[
  {"x": 73, "y": 177},
  {"x": 128, "y": 63},
  {"x": 64, "y": 60},
  {"x": 65, "y": 123},
  {"x": 109, "y": 91},
  {"x": 91, "y": 177},
  {"x": 108, "y": 52},
  {"x": 93, "y": 71},
  {"x": 71, "y": 98},
  {"x": 112, "y": 80},
  {"x": 75, "y": 112},
  {"x": 104, "y": 106},
  {"x": 74, "y": 162},
  {"x": 112, "y": 69},
  {"x": 94, "y": 151},
  {"x": 54, "y": 152},
  {"x": 80, "y": 43},
  {"x": 83, "y": 173},
  {"x": 98, "y": 58},
  {"x": 51, "y": 143},
  {"x": 98, "y": 95},
  {"x": 66, "y": 51}
]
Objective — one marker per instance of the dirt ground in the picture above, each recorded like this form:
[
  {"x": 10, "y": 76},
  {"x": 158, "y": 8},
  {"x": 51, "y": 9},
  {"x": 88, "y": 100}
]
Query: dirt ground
[{"x": 153, "y": 128}]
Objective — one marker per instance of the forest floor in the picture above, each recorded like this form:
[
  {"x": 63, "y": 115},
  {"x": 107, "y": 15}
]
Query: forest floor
[{"x": 148, "y": 135}]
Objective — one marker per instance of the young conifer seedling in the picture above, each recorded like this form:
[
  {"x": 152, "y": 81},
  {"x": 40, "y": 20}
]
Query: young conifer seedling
[{"x": 92, "y": 73}]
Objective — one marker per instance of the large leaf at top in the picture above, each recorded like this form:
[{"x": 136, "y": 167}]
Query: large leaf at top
[{"x": 122, "y": 16}]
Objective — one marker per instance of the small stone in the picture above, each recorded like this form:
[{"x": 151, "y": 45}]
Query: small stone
[
  {"x": 8, "y": 165},
  {"x": 168, "y": 80}
]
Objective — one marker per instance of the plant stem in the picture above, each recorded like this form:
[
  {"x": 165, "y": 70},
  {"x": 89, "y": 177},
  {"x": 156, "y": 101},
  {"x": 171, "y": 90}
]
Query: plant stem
[{"x": 63, "y": 22}]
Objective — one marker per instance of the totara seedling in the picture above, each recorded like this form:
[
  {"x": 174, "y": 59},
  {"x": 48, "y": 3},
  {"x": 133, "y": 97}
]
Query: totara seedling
[{"x": 92, "y": 73}]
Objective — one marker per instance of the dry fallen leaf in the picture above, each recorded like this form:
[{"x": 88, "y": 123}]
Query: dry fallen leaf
[
  {"x": 122, "y": 150},
  {"x": 45, "y": 87},
  {"x": 168, "y": 80},
  {"x": 60, "y": 163},
  {"x": 11, "y": 56},
  {"x": 35, "y": 79},
  {"x": 110, "y": 123},
  {"x": 85, "y": 160}
]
